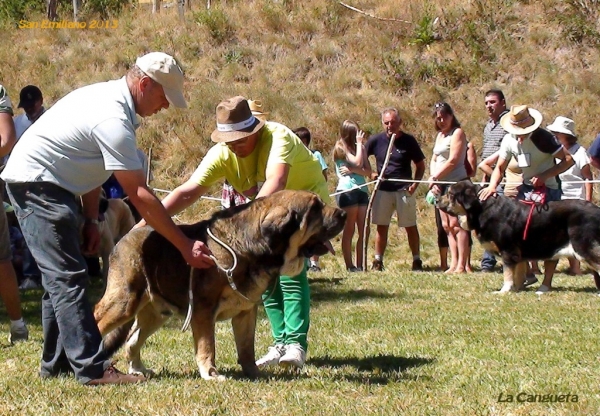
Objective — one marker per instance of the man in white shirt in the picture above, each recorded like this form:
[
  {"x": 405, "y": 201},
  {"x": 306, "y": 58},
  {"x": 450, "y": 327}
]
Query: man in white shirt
[{"x": 64, "y": 157}]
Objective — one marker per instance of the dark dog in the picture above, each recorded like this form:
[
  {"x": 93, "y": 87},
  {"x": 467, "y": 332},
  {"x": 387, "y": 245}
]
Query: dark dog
[
  {"x": 557, "y": 229},
  {"x": 148, "y": 278}
]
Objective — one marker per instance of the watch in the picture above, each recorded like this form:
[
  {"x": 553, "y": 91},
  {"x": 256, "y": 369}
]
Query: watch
[{"x": 92, "y": 221}]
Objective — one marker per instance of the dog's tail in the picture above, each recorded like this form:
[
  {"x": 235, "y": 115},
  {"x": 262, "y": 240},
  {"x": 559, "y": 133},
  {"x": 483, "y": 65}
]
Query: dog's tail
[{"x": 115, "y": 339}]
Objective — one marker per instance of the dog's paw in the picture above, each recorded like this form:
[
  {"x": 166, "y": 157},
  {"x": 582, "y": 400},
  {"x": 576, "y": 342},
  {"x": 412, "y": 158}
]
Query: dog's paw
[
  {"x": 251, "y": 371},
  {"x": 141, "y": 371},
  {"x": 506, "y": 288},
  {"x": 212, "y": 375}
]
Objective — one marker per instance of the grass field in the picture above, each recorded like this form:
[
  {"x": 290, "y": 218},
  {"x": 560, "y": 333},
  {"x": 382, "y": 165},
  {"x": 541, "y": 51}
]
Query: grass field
[{"x": 385, "y": 343}]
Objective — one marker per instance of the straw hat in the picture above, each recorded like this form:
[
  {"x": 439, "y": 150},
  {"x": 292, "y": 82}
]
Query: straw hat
[
  {"x": 521, "y": 120},
  {"x": 563, "y": 125},
  {"x": 235, "y": 121},
  {"x": 257, "y": 109}
]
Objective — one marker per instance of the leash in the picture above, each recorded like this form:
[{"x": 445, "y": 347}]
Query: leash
[
  {"x": 228, "y": 272},
  {"x": 541, "y": 200}
]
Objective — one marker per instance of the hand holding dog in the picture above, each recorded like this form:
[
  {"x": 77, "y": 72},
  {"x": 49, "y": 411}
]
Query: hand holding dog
[
  {"x": 91, "y": 238},
  {"x": 199, "y": 255},
  {"x": 486, "y": 192}
]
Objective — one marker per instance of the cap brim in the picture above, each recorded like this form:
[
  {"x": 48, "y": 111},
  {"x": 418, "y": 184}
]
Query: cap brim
[
  {"x": 231, "y": 136},
  {"x": 24, "y": 104},
  {"x": 175, "y": 98},
  {"x": 559, "y": 129},
  {"x": 512, "y": 129}
]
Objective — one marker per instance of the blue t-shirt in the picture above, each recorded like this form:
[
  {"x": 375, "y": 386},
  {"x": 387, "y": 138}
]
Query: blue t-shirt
[
  {"x": 405, "y": 150},
  {"x": 594, "y": 150}
]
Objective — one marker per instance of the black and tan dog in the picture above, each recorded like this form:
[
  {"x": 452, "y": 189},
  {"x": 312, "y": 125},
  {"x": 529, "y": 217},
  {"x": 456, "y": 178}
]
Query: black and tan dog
[
  {"x": 148, "y": 278},
  {"x": 569, "y": 228}
]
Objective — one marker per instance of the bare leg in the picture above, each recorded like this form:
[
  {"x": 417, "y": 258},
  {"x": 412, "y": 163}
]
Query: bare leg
[{"x": 9, "y": 290}]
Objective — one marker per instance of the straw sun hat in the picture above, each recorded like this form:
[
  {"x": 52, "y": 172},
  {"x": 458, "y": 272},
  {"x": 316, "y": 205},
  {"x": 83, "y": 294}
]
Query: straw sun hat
[
  {"x": 521, "y": 120},
  {"x": 235, "y": 121}
]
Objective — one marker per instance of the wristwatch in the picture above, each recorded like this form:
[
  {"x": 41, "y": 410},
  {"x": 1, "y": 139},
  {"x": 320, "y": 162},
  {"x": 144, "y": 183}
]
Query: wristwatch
[{"x": 92, "y": 221}]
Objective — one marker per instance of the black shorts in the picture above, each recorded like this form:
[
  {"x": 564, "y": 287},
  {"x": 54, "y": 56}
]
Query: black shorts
[{"x": 352, "y": 198}]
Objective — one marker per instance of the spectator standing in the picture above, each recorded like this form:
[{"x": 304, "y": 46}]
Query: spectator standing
[
  {"x": 448, "y": 164},
  {"x": 575, "y": 181},
  {"x": 396, "y": 196},
  {"x": 304, "y": 135},
  {"x": 9, "y": 291},
  {"x": 493, "y": 133},
  {"x": 351, "y": 167}
]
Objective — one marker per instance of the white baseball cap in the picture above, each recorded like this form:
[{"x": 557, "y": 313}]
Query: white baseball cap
[{"x": 163, "y": 69}]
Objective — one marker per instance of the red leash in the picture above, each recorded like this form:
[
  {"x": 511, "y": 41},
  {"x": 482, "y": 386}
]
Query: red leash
[{"x": 541, "y": 200}]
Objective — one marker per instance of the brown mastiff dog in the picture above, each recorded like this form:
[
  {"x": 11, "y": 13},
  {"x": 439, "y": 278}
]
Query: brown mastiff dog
[{"x": 148, "y": 279}]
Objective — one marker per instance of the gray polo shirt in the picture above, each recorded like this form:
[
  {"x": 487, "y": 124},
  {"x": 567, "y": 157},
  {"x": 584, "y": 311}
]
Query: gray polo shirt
[{"x": 80, "y": 140}]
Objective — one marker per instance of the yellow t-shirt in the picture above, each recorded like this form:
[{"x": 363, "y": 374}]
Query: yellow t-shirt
[{"x": 276, "y": 144}]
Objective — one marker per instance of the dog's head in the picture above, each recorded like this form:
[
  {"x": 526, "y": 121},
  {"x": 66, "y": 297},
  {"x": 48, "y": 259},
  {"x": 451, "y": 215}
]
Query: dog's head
[
  {"x": 461, "y": 200},
  {"x": 300, "y": 224}
]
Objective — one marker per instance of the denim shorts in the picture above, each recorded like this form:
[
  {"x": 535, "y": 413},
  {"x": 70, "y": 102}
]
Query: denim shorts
[
  {"x": 525, "y": 191},
  {"x": 352, "y": 198}
]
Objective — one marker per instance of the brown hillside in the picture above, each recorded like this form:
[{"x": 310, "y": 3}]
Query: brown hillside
[{"x": 316, "y": 63}]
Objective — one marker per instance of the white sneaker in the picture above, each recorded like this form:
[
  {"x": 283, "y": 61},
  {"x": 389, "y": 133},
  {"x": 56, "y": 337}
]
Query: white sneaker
[
  {"x": 294, "y": 356},
  {"x": 542, "y": 289},
  {"x": 18, "y": 334},
  {"x": 272, "y": 357},
  {"x": 28, "y": 283}
]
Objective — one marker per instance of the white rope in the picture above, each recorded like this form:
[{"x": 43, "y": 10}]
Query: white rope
[
  {"x": 211, "y": 198},
  {"x": 228, "y": 273}
]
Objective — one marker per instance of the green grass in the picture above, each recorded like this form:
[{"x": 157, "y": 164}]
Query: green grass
[{"x": 380, "y": 343}]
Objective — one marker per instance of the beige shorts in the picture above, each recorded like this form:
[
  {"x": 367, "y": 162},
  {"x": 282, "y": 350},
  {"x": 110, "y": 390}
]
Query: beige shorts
[{"x": 385, "y": 203}]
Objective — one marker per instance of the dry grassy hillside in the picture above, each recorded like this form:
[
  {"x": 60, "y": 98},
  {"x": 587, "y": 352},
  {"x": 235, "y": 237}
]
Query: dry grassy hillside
[{"x": 316, "y": 63}]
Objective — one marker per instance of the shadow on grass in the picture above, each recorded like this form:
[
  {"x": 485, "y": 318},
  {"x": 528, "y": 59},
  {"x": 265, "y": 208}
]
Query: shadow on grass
[
  {"x": 325, "y": 295},
  {"x": 233, "y": 373},
  {"x": 379, "y": 369}
]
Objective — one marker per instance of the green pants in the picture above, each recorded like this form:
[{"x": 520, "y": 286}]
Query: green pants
[{"x": 288, "y": 309}]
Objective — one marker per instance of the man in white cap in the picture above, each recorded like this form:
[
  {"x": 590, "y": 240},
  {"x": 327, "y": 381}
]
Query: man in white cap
[
  {"x": 64, "y": 158},
  {"x": 536, "y": 151},
  {"x": 249, "y": 151}
]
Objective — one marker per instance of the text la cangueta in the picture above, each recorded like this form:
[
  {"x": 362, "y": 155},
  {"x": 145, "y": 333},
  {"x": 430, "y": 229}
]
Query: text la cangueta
[{"x": 68, "y": 24}]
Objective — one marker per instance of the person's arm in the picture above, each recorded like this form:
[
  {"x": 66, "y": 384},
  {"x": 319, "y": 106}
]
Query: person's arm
[
  {"x": 419, "y": 172},
  {"x": 91, "y": 235},
  {"x": 472, "y": 159},
  {"x": 8, "y": 136},
  {"x": 487, "y": 165},
  {"x": 196, "y": 253},
  {"x": 586, "y": 174},
  {"x": 275, "y": 179},
  {"x": 497, "y": 176},
  {"x": 566, "y": 161},
  {"x": 457, "y": 142}
]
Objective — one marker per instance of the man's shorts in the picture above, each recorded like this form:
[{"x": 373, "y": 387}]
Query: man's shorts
[
  {"x": 5, "y": 252},
  {"x": 385, "y": 203},
  {"x": 525, "y": 193},
  {"x": 352, "y": 198}
]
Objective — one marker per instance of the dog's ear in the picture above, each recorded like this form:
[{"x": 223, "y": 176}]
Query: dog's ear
[
  {"x": 278, "y": 221},
  {"x": 468, "y": 198}
]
